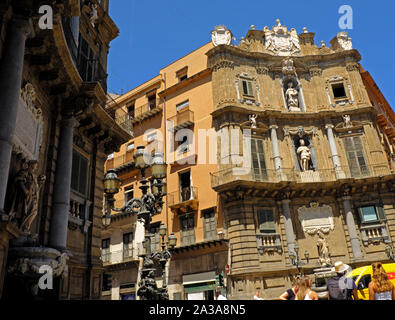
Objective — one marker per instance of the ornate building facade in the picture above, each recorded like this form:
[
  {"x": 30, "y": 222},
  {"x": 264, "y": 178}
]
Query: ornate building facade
[
  {"x": 304, "y": 164},
  {"x": 54, "y": 137}
]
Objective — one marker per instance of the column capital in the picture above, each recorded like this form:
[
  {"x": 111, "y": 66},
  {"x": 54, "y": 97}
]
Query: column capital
[
  {"x": 329, "y": 126},
  {"x": 273, "y": 126}
]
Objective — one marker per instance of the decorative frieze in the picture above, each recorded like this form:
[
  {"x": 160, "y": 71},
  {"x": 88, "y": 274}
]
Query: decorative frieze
[{"x": 316, "y": 218}]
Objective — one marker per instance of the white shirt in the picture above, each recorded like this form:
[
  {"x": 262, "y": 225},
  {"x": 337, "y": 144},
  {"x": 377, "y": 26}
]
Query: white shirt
[{"x": 221, "y": 297}]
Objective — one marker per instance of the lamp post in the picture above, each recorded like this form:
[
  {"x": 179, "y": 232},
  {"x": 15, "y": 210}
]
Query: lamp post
[
  {"x": 389, "y": 250},
  {"x": 296, "y": 261},
  {"x": 148, "y": 205}
]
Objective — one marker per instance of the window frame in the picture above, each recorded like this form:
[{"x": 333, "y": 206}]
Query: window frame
[
  {"x": 379, "y": 211},
  {"x": 356, "y": 157},
  {"x": 86, "y": 182},
  {"x": 187, "y": 233},
  {"x": 210, "y": 233},
  {"x": 267, "y": 231}
]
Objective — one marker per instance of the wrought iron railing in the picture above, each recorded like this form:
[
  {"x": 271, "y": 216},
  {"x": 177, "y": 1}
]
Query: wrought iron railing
[
  {"x": 119, "y": 256},
  {"x": 238, "y": 173},
  {"x": 185, "y": 194}
]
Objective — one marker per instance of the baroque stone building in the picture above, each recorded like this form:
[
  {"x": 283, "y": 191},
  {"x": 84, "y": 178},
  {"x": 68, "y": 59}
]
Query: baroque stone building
[
  {"x": 303, "y": 167},
  {"x": 54, "y": 137},
  {"x": 315, "y": 180}
]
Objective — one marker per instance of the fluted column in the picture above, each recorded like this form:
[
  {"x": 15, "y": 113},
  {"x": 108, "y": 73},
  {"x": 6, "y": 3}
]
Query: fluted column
[
  {"x": 289, "y": 230},
  {"x": 62, "y": 185},
  {"x": 11, "y": 68},
  {"x": 352, "y": 230},
  {"x": 333, "y": 149}
]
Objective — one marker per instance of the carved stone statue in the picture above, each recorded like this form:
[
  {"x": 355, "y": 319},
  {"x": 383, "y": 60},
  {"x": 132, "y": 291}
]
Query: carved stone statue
[
  {"x": 292, "y": 98},
  {"x": 27, "y": 185},
  {"x": 347, "y": 121},
  {"x": 253, "y": 118},
  {"x": 323, "y": 250},
  {"x": 221, "y": 35},
  {"x": 304, "y": 155},
  {"x": 344, "y": 40},
  {"x": 93, "y": 15}
]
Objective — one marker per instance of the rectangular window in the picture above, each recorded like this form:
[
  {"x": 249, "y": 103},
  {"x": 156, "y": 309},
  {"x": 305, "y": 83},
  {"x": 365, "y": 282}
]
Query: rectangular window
[
  {"x": 247, "y": 88},
  {"x": 131, "y": 110},
  {"x": 128, "y": 245},
  {"x": 185, "y": 184},
  {"x": 79, "y": 175},
  {"x": 86, "y": 60},
  {"x": 187, "y": 223},
  {"x": 266, "y": 221},
  {"x": 355, "y": 157},
  {"x": 107, "y": 285},
  {"x": 210, "y": 225},
  {"x": 371, "y": 214},
  {"x": 258, "y": 160},
  {"x": 105, "y": 250},
  {"x": 128, "y": 194},
  {"x": 182, "y": 105},
  {"x": 339, "y": 91},
  {"x": 152, "y": 102}
]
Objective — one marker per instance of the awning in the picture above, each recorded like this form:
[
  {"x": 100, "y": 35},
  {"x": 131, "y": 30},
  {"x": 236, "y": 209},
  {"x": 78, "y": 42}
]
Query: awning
[{"x": 192, "y": 288}]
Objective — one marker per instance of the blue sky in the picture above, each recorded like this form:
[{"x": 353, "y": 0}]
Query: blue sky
[{"x": 155, "y": 33}]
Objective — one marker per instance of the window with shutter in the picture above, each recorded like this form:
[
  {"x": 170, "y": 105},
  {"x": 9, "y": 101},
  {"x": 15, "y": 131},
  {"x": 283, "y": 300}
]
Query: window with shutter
[
  {"x": 355, "y": 157},
  {"x": 187, "y": 229},
  {"x": 247, "y": 88},
  {"x": 86, "y": 60},
  {"x": 371, "y": 214},
  {"x": 258, "y": 160},
  {"x": 210, "y": 225},
  {"x": 79, "y": 173},
  {"x": 128, "y": 245},
  {"x": 155, "y": 237},
  {"x": 266, "y": 221}
]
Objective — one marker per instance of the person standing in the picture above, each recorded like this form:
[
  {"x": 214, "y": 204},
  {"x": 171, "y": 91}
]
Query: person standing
[
  {"x": 380, "y": 288},
  {"x": 290, "y": 294},
  {"x": 340, "y": 287},
  {"x": 220, "y": 296},
  {"x": 305, "y": 292}
]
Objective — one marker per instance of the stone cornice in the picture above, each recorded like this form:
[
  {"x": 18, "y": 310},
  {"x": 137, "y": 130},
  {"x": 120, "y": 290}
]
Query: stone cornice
[{"x": 232, "y": 53}]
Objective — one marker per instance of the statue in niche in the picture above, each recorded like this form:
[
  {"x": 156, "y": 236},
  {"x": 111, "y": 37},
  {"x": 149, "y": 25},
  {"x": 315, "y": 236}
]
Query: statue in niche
[
  {"x": 253, "y": 118},
  {"x": 27, "y": 185},
  {"x": 292, "y": 98},
  {"x": 347, "y": 120},
  {"x": 323, "y": 250},
  {"x": 304, "y": 154}
]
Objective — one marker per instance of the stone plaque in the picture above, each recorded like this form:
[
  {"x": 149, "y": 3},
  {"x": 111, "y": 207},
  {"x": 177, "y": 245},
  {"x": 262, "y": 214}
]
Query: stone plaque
[
  {"x": 316, "y": 218},
  {"x": 29, "y": 126}
]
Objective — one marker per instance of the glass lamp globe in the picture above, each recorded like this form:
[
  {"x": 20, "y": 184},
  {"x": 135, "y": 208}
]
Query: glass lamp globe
[{"x": 111, "y": 182}]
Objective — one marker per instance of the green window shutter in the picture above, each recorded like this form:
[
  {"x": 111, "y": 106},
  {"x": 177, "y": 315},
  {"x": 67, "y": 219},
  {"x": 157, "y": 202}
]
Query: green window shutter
[
  {"x": 258, "y": 159},
  {"x": 355, "y": 156},
  {"x": 381, "y": 213},
  {"x": 369, "y": 214}
]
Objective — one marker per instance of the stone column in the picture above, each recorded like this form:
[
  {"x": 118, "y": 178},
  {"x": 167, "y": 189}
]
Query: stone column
[
  {"x": 352, "y": 230},
  {"x": 334, "y": 154},
  {"x": 289, "y": 230},
  {"x": 62, "y": 185},
  {"x": 11, "y": 68},
  {"x": 276, "y": 151}
]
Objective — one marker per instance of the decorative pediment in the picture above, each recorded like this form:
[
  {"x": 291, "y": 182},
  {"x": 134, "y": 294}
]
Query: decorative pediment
[
  {"x": 254, "y": 125},
  {"x": 348, "y": 126}
]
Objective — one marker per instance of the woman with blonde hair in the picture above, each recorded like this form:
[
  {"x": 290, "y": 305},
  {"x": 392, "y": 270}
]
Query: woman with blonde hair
[
  {"x": 305, "y": 292},
  {"x": 290, "y": 294},
  {"x": 380, "y": 288}
]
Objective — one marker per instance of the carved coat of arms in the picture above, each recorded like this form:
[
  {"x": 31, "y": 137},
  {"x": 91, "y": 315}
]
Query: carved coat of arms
[
  {"x": 280, "y": 41},
  {"x": 221, "y": 35}
]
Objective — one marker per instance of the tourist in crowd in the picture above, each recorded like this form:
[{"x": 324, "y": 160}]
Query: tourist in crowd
[
  {"x": 304, "y": 291},
  {"x": 380, "y": 288},
  {"x": 340, "y": 287},
  {"x": 290, "y": 294}
]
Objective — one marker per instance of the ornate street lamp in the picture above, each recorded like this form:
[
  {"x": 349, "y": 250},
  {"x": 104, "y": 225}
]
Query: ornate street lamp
[
  {"x": 106, "y": 219},
  {"x": 163, "y": 256},
  {"x": 148, "y": 205},
  {"x": 295, "y": 260}
]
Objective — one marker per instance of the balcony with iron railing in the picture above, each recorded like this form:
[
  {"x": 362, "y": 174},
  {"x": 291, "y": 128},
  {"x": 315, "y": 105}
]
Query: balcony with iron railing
[
  {"x": 183, "y": 119},
  {"x": 145, "y": 111},
  {"x": 120, "y": 161},
  {"x": 185, "y": 199},
  {"x": 119, "y": 256},
  {"x": 234, "y": 174}
]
